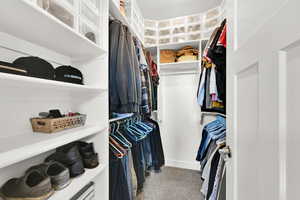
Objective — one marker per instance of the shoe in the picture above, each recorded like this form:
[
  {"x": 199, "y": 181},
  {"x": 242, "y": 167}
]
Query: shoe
[
  {"x": 33, "y": 186},
  {"x": 89, "y": 156},
  {"x": 69, "y": 156},
  {"x": 58, "y": 173}
]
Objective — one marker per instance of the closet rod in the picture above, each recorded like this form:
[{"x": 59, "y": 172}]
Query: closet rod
[
  {"x": 121, "y": 118},
  {"x": 178, "y": 73},
  {"x": 210, "y": 114}
]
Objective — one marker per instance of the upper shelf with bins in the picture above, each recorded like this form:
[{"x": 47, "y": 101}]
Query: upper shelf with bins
[
  {"x": 30, "y": 22},
  {"x": 183, "y": 29},
  {"x": 134, "y": 21}
]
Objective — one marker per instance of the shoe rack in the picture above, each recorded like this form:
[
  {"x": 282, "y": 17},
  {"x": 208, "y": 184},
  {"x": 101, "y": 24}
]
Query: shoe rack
[{"x": 28, "y": 30}]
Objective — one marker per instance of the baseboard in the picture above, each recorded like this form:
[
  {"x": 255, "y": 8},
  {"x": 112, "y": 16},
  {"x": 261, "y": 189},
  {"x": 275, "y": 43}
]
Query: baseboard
[{"x": 182, "y": 164}]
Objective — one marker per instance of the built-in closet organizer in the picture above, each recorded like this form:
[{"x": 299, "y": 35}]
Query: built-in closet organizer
[{"x": 28, "y": 30}]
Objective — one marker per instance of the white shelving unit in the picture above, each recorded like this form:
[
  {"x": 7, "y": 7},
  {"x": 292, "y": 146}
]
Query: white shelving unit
[
  {"x": 26, "y": 29},
  {"x": 134, "y": 21}
]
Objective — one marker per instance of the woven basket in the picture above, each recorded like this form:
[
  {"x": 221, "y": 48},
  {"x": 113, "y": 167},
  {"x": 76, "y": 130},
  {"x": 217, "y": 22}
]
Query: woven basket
[{"x": 52, "y": 125}]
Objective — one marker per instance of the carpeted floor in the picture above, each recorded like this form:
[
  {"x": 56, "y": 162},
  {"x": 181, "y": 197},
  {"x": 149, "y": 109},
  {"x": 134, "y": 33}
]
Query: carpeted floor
[{"x": 172, "y": 184}]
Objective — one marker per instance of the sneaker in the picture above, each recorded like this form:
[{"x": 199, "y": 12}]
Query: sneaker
[
  {"x": 89, "y": 156},
  {"x": 33, "y": 186},
  {"x": 58, "y": 173},
  {"x": 70, "y": 157}
]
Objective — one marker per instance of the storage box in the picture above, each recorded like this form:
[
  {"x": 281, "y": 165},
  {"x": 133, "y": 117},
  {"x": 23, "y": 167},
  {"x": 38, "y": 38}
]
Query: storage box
[
  {"x": 52, "y": 125},
  {"x": 61, "y": 9}
]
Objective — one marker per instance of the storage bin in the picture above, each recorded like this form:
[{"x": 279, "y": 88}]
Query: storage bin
[
  {"x": 52, "y": 125},
  {"x": 195, "y": 19},
  {"x": 212, "y": 23},
  {"x": 61, "y": 9},
  {"x": 194, "y": 28},
  {"x": 89, "y": 14},
  {"x": 194, "y": 36},
  {"x": 149, "y": 32},
  {"x": 150, "y": 24},
  {"x": 164, "y": 24},
  {"x": 164, "y": 40},
  {"x": 212, "y": 13},
  {"x": 179, "y": 39},
  {"x": 150, "y": 41},
  {"x": 88, "y": 31},
  {"x": 178, "y": 21},
  {"x": 165, "y": 32},
  {"x": 179, "y": 30}
]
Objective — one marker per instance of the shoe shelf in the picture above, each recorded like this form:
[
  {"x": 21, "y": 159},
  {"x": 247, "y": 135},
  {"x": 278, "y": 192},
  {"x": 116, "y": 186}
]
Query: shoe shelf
[
  {"x": 77, "y": 183},
  {"x": 21, "y": 147},
  {"x": 9, "y": 81},
  {"x": 35, "y": 25}
]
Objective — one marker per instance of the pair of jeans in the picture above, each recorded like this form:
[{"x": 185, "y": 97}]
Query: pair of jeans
[
  {"x": 118, "y": 184},
  {"x": 147, "y": 153},
  {"x": 212, "y": 131},
  {"x": 139, "y": 164},
  {"x": 127, "y": 172}
]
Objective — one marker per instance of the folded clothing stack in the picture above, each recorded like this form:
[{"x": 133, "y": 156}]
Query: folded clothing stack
[
  {"x": 187, "y": 53},
  {"x": 167, "y": 56}
]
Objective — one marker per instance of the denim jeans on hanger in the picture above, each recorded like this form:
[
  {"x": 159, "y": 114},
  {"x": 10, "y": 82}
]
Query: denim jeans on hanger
[
  {"x": 127, "y": 172},
  {"x": 118, "y": 186},
  {"x": 139, "y": 164},
  {"x": 147, "y": 153},
  {"x": 212, "y": 131}
]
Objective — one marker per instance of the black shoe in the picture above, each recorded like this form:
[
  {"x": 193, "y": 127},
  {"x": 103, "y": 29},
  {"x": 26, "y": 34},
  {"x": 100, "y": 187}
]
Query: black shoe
[
  {"x": 89, "y": 156},
  {"x": 69, "y": 156}
]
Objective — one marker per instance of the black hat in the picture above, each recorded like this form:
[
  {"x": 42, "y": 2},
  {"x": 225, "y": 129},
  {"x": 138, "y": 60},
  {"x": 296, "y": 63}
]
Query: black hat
[
  {"x": 35, "y": 67},
  {"x": 68, "y": 74},
  {"x": 12, "y": 69}
]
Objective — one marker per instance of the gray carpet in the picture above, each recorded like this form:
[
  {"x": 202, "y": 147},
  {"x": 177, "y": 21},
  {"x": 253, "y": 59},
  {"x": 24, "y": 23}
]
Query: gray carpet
[{"x": 172, "y": 184}]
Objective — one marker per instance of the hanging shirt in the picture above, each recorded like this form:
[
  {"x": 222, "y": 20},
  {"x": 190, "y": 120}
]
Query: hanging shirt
[
  {"x": 213, "y": 84},
  {"x": 201, "y": 92}
]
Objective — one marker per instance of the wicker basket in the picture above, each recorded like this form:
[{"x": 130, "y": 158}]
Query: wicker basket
[{"x": 52, "y": 125}]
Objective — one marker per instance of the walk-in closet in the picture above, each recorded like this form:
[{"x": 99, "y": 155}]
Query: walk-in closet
[
  {"x": 167, "y": 96},
  {"x": 149, "y": 99}
]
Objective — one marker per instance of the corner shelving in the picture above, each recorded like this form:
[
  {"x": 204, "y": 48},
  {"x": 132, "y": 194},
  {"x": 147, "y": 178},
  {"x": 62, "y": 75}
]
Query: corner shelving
[
  {"x": 29, "y": 22},
  {"x": 116, "y": 13},
  {"x": 79, "y": 182},
  {"x": 16, "y": 149}
]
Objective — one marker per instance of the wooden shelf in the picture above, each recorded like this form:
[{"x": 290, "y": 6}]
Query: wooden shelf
[
  {"x": 24, "y": 146},
  {"x": 9, "y": 81},
  {"x": 78, "y": 183},
  {"x": 27, "y": 21}
]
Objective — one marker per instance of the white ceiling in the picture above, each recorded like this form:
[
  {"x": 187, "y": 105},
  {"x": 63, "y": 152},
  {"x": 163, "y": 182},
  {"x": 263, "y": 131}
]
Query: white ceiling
[{"x": 163, "y": 9}]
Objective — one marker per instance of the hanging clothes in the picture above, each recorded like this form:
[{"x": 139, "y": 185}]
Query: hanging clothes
[
  {"x": 211, "y": 95},
  {"x": 211, "y": 162},
  {"x": 124, "y": 71},
  {"x": 143, "y": 153}
]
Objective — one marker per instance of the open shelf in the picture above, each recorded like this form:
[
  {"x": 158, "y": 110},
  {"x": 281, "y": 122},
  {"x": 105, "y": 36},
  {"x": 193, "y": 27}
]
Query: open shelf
[
  {"x": 9, "y": 81},
  {"x": 116, "y": 13},
  {"x": 20, "y": 147},
  {"x": 27, "y": 21},
  {"x": 78, "y": 183},
  {"x": 180, "y": 67},
  {"x": 179, "y": 45}
]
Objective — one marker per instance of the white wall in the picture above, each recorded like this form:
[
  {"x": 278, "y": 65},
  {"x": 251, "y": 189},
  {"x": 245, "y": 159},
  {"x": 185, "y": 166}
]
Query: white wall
[{"x": 180, "y": 114}]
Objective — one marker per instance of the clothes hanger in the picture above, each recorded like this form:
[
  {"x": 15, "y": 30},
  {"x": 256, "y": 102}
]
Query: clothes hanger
[{"x": 118, "y": 132}]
